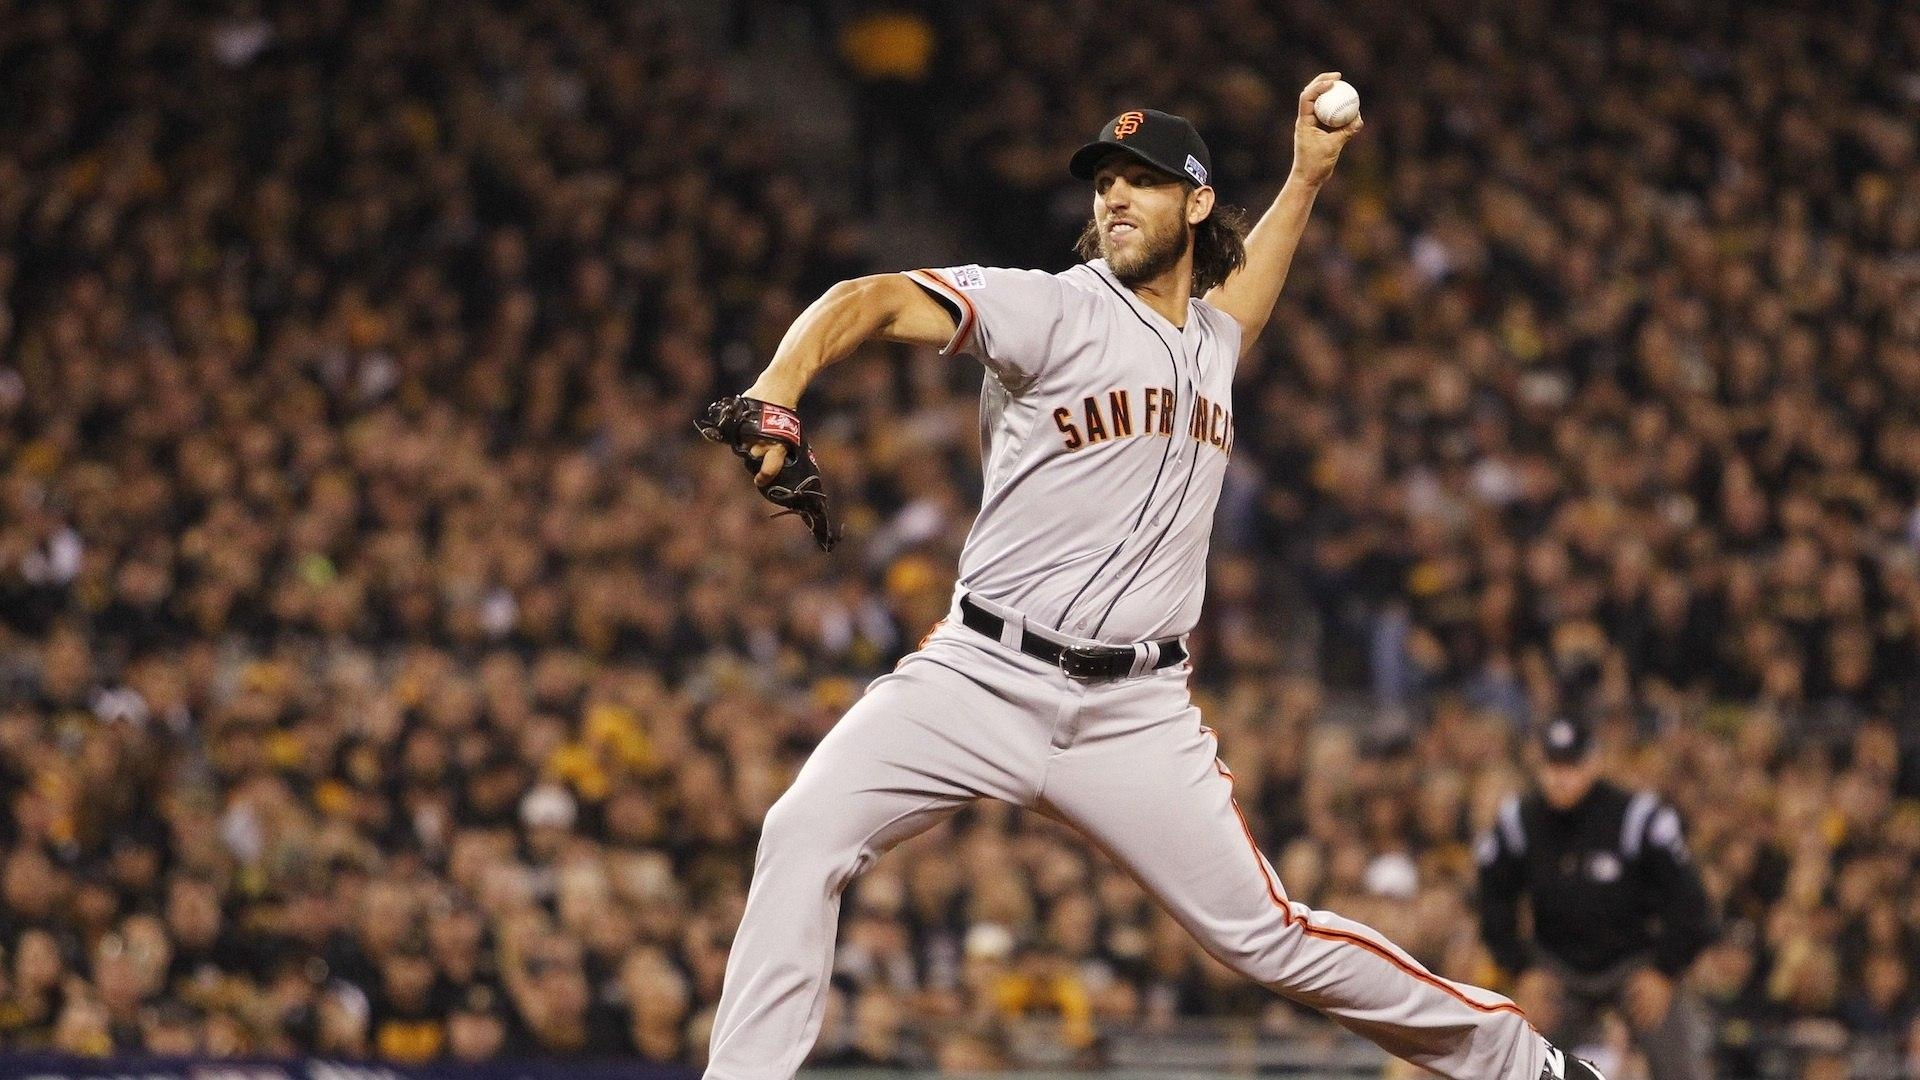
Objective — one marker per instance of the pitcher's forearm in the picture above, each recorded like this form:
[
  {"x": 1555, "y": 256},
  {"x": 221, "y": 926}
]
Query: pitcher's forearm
[
  {"x": 1250, "y": 294},
  {"x": 1271, "y": 244}
]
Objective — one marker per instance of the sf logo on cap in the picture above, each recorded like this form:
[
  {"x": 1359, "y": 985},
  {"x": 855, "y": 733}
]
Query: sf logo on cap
[{"x": 1128, "y": 124}]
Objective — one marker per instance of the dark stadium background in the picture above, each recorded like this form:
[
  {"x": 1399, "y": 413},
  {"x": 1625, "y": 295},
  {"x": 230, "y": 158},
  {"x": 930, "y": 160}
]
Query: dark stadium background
[{"x": 388, "y": 678}]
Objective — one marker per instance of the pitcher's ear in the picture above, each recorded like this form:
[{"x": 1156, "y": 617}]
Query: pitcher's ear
[{"x": 1199, "y": 205}]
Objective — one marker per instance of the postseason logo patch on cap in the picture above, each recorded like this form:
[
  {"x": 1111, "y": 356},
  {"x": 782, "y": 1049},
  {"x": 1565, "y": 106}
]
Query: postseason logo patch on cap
[{"x": 1196, "y": 170}]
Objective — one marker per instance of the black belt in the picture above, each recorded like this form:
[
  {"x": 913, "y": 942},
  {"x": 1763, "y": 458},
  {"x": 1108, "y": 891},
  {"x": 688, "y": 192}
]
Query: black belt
[{"x": 1084, "y": 662}]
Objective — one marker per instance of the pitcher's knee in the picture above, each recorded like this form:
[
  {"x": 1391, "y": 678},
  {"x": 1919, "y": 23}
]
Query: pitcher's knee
[
  {"x": 1258, "y": 951},
  {"x": 807, "y": 835}
]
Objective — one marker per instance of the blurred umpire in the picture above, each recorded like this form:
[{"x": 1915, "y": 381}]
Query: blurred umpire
[{"x": 1618, "y": 909}]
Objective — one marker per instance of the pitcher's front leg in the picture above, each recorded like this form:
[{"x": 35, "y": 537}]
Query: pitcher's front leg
[{"x": 921, "y": 743}]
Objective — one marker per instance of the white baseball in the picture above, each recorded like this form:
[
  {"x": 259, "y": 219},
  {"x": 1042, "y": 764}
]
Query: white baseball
[{"x": 1338, "y": 106}]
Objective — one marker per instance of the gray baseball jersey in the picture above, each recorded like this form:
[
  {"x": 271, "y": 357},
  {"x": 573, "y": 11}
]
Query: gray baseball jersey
[{"x": 1106, "y": 432}]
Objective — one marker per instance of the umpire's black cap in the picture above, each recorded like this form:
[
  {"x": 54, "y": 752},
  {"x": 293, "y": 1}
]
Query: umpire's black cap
[
  {"x": 1565, "y": 741},
  {"x": 1162, "y": 140}
]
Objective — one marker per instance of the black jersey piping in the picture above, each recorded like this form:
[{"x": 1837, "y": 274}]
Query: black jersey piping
[{"x": 1152, "y": 489}]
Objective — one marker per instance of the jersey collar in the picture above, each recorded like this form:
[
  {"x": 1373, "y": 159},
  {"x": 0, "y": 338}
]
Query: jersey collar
[{"x": 1100, "y": 267}]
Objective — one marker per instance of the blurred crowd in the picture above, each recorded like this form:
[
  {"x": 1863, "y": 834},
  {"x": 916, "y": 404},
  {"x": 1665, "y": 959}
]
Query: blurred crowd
[{"x": 386, "y": 671}]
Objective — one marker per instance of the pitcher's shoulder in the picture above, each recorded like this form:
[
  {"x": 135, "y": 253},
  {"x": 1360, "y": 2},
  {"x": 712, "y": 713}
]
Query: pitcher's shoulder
[
  {"x": 1215, "y": 318},
  {"x": 1082, "y": 279},
  {"x": 1224, "y": 328}
]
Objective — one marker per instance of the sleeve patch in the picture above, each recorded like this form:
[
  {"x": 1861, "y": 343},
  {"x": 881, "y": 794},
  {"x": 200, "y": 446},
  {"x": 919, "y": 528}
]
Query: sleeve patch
[{"x": 969, "y": 277}]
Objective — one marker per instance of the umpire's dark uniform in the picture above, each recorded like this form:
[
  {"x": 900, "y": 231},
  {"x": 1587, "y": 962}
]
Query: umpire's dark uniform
[{"x": 1613, "y": 889}]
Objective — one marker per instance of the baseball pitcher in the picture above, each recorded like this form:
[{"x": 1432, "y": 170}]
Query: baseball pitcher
[{"x": 1058, "y": 682}]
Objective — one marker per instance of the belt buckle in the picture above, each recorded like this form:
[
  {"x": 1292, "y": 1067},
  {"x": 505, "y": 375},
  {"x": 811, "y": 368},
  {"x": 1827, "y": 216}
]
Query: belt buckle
[{"x": 1087, "y": 653}]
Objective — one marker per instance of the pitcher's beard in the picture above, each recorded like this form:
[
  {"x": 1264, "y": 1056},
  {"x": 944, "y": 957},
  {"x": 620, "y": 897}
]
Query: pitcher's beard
[{"x": 1154, "y": 256}]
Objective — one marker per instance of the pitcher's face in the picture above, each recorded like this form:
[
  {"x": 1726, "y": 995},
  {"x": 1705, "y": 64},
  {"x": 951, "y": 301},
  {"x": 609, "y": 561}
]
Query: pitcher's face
[{"x": 1142, "y": 216}]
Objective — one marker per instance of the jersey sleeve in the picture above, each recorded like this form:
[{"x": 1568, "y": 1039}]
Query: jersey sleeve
[
  {"x": 1501, "y": 855},
  {"x": 1227, "y": 327},
  {"x": 1009, "y": 319},
  {"x": 1684, "y": 909}
]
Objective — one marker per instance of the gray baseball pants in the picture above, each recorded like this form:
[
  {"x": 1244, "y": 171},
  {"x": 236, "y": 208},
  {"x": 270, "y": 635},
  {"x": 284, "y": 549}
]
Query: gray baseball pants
[{"x": 1129, "y": 765}]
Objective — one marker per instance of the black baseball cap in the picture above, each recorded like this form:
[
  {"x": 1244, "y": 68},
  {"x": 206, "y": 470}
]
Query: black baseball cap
[
  {"x": 1565, "y": 741},
  {"x": 1165, "y": 141}
]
